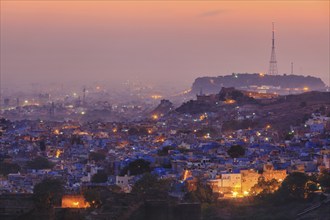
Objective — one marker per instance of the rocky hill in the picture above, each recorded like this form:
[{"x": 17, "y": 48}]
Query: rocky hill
[
  {"x": 215, "y": 102},
  {"x": 281, "y": 111},
  {"x": 246, "y": 81},
  {"x": 163, "y": 108}
]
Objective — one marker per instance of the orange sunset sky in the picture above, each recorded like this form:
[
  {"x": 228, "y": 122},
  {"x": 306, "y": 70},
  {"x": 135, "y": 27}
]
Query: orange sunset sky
[{"x": 159, "y": 41}]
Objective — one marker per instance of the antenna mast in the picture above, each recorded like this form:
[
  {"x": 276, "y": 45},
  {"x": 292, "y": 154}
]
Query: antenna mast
[{"x": 273, "y": 62}]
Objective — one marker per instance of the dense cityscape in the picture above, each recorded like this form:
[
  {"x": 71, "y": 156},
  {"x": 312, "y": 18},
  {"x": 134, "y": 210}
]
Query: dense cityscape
[{"x": 240, "y": 150}]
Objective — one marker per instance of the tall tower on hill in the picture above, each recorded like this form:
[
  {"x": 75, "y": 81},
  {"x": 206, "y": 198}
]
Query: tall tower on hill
[{"x": 273, "y": 63}]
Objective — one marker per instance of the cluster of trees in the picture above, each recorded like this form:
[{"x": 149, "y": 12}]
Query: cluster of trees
[
  {"x": 139, "y": 131},
  {"x": 39, "y": 163},
  {"x": 236, "y": 94},
  {"x": 42, "y": 145},
  {"x": 236, "y": 151},
  {"x": 137, "y": 167},
  {"x": 164, "y": 151},
  {"x": 76, "y": 139},
  {"x": 6, "y": 168},
  {"x": 288, "y": 135},
  {"x": 202, "y": 194},
  {"x": 96, "y": 156},
  {"x": 264, "y": 187},
  {"x": 149, "y": 186},
  {"x": 324, "y": 181},
  {"x": 96, "y": 197},
  {"x": 99, "y": 177},
  {"x": 48, "y": 193},
  {"x": 296, "y": 186},
  {"x": 235, "y": 125}
]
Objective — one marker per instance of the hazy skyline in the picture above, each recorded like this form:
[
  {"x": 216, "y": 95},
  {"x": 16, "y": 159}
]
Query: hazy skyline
[{"x": 171, "y": 42}]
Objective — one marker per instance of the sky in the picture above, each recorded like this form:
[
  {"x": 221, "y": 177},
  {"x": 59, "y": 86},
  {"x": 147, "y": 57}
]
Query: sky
[{"x": 160, "y": 42}]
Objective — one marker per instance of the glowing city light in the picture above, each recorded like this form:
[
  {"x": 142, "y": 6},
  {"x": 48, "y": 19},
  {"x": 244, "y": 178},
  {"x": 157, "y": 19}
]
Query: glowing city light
[
  {"x": 202, "y": 117},
  {"x": 187, "y": 91},
  {"x": 76, "y": 202},
  {"x": 156, "y": 96},
  {"x": 185, "y": 175},
  {"x": 58, "y": 153},
  {"x": 230, "y": 101}
]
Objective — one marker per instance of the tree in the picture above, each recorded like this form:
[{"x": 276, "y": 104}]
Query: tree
[
  {"x": 6, "y": 168},
  {"x": 263, "y": 187},
  {"x": 98, "y": 197},
  {"x": 42, "y": 145},
  {"x": 137, "y": 131},
  {"x": 152, "y": 187},
  {"x": 75, "y": 139},
  {"x": 48, "y": 193},
  {"x": 324, "y": 180},
  {"x": 288, "y": 136},
  {"x": 236, "y": 151},
  {"x": 93, "y": 197},
  {"x": 133, "y": 131},
  {"x": 40, "y": 163},
  {"x": 203, "y": 194},
  {"x": 137, "y": 167},
  {"x": 100, "y": 177},
  {"x": 96, "y": 156},
  {"x": 164, "y": 151},
  {"x": 295, "y": 186}
]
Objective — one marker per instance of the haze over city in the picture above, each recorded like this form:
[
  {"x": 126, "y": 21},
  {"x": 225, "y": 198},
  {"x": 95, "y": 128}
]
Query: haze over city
[
  {"x": 167, "y": 110},
  {"x": 163, "y": 43}
]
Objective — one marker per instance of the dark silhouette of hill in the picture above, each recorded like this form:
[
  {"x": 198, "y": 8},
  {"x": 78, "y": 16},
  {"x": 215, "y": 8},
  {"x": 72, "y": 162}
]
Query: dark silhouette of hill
[
  {"x": 282, "y": 111},
  {"x": 212, "y": 85}
]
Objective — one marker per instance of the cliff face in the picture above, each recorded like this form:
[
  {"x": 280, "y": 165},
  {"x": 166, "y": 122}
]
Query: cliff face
[{"x": 244, "y": 81}]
